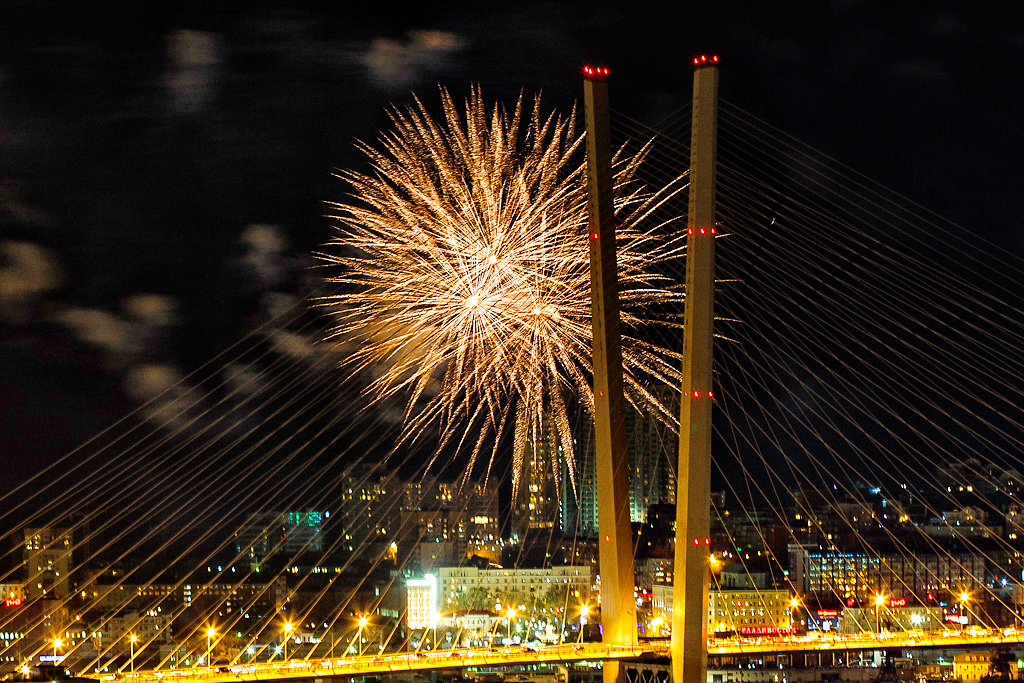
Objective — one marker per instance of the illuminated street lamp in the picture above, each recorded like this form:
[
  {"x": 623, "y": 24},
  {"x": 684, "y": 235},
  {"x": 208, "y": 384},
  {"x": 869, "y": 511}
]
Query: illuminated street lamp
[
  {"x": 56, "y": 644},
  {"x": 584, "y": 611},
  {"x": 210, "y": 633},
  {"x": 964, "y": 597},
  {"x": 511, "y": 615},
  {"x": 362, "y": 625},
  {"x": 879, "y": 600},
  {"x": 132, "y": 640},
  {"x": 287, "y": 635}
]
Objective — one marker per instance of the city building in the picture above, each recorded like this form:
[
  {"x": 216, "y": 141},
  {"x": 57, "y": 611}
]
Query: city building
[
  {"x": 737, "y": 576},
  {"x": 466, "y": 588},
  {"x": 653, "y": 449},
  {"x": 290, "y": 533},
  {"x": 12, "y": 594},
  {"x": 536, "y": 505},
  {"x": 421, "y": 602},
  {"x": 969, "y": 667},
  {"x": 46, "y": 562},
  {"x": 745, "y": 612},
  {"x": 1014, "y": 522},
  {"x": 893, "y": 616},
  {"x": 366, "y": 508},
  {"x": 860, "y": 576},
  {"x": 967, "y": 522},
  {"x": 436, "y": 554},
  {"x": 447, "y": 524},
  {"x": 117, "y": 596},
  {"x": 750, "y": 612},
  {"x": 577, "y": 510},
  {"x": 653, "y": 570},
  {"x": 149, "y": 628}
]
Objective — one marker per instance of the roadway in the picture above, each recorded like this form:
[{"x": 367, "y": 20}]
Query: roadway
[
  {"x": 869, "y": 641},
  {"x": 368, "y": 665}
]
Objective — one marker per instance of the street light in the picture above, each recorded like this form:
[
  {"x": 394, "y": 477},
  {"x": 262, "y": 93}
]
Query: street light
[
  {"x": 511, "y": 616},
  {"x": 132, "y": 639},
  {"x": 362, "y": 625},
  {"x": 56, "y": 644},
  {"x": 964, "y": 597},
  {"x": 879, "y": 599},
  {"x": 287, "y": 635},
  {"x": 584, "y": 611},
  {"x": 210, "y": 633}
]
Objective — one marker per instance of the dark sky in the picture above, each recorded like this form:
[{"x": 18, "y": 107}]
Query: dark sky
[{"x": 164, "y": 168}]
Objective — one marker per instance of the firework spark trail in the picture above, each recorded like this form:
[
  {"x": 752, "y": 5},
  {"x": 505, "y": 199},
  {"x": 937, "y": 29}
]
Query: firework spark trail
[{"x": 465, "y": 276}]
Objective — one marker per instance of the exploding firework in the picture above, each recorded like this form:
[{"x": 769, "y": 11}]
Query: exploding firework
[{"x": 464, "y": 266}]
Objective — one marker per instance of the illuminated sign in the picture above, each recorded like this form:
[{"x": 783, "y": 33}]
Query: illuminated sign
[
  {"x": 956, "y": 619},
  {"x": 12, "y": 602},
  {"x": 767, "y": 631},
  {"x": 52, "y": 659},
  {"x": 828, "y": 613},
  {"x": 897, "y": 602}
]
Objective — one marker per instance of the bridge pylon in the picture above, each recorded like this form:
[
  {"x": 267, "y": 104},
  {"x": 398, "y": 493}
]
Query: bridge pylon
[
  {"x": 693, "y": 491},
  {"x": 618, "y": 606}
]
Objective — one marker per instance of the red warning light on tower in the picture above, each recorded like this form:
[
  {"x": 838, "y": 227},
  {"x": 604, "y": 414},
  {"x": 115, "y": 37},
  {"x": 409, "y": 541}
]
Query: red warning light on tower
[
  {"x": 595, "y": 73},
  {"x": 705, "y": 60}
]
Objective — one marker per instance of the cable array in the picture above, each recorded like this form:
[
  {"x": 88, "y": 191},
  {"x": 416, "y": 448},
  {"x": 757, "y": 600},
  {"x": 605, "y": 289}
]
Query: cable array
[
  {"x": 868, "y": 372},
  {"x": 867, "y": 355}
]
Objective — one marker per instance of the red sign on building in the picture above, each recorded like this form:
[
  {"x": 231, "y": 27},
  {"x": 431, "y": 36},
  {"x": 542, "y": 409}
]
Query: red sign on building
[
  {"x": 767, "y": 631},
  {"x": 12, "y": 602},
  {"x": 897, "y": 602}
]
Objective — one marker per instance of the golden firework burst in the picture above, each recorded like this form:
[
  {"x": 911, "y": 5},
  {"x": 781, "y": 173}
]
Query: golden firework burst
[{"x": 465, "y": 274}]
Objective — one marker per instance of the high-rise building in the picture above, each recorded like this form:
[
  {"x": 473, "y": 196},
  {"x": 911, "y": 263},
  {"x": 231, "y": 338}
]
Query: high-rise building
[
  {"x": 653, "y": 449},
  {"x": 367, "y": 507},
  {"x": 46, "y": 558},
  {"x": 578, "y": 508},
  {"x": 537, "y": 500},
  {"x": 482, "y": 515}
]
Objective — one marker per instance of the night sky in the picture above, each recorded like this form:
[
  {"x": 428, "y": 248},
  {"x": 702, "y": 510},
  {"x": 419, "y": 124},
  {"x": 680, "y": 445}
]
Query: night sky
[{"x": 164, "y": 170}]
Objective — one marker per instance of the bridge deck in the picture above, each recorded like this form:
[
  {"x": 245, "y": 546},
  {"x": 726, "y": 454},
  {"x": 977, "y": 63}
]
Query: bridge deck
[{"x": 511, "y": 656}]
